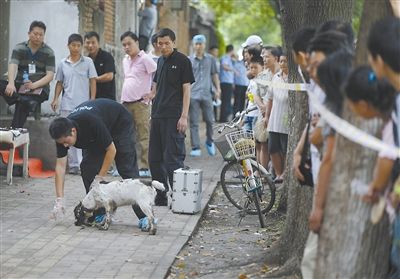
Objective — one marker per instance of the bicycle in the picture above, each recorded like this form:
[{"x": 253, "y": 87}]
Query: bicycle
[{"x": 246, "y": 183}]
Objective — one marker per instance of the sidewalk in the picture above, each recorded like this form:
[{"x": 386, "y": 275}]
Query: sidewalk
[{"x": 33, "y": 246}]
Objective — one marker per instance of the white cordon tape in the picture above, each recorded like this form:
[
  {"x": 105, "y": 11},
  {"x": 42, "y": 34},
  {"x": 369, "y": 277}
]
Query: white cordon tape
[
  {"x": 281, "y": 85},
  {"x": 341, "y": 126}
]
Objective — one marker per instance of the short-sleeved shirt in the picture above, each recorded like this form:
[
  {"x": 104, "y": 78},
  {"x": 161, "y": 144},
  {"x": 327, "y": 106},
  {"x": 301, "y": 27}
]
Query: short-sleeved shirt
[
  {"x": 388, "y": 138},
  {"x": 224, "y": 75},
  {"x": 251, "y": 89},
  {"x": 240, "y": 77},
  {"x": 262, "y": 90},
  {"x": 75, "y": 79},
  {"x": 104, "y": 63},
  {"x": 43, "y": 59},
  {"x": 99, "y": 123},
  {"x": 148, "y": 21},
  {"x": 172, "y": 72},
  {"x": 319, "y": 93},
  {"x": 278, "y": 119},
  {"x": 138, "y": 73},
  {"x": 203, "y": 70}
]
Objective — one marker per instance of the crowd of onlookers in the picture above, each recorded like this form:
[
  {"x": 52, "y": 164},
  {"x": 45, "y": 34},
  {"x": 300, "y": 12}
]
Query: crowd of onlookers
[{"x": 324, "y": 56}]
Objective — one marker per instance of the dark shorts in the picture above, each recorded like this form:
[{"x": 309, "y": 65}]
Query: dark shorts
[{"x": 277, "y": 142}]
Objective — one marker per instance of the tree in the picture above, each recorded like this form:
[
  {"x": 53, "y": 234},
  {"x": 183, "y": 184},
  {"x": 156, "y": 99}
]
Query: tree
[
  {"x": 236, "y": 20},
  {"x": 289, "y": 250},
  {"x": 349, "y": 245}
]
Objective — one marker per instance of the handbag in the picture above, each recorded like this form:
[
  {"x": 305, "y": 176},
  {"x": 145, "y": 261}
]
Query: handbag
[
  {"x": 305, "y": 163},
  {"x": 260, "y": 131}
]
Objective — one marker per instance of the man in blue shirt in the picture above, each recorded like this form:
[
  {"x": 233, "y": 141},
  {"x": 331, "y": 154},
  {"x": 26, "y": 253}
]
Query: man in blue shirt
[
  {"x": 226, "y": 76},
  {"x": 205, "y": 72},
  {"x": 241, "y": 83}
]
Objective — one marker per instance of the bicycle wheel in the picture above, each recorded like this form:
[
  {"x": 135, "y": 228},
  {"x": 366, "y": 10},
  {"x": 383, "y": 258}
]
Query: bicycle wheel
[
  {"x": 233, "y": 184},
  {"x": 257, "y": 203}
]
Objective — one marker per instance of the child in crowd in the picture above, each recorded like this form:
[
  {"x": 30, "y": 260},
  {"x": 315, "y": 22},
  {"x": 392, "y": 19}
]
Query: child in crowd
[
  {"x": 259, "y": 96},
  {"x": 277, "y": 118},
  {"x": 255, "y": 66}
]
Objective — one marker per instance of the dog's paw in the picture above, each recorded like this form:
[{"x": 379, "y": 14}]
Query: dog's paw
[
  {"x": 153, "y": 231},
  {"x": 103, "y": 227}
]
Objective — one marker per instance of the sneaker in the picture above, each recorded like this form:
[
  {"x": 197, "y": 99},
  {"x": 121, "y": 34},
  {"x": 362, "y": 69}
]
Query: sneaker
[
  {"x": 74, "y": 171},
  {"x": 115, "y": 173},
  {"x": 144, "y": 173},
  {"x": 58, "y": 212},
  {"x": 99, "y": 219},
  {"x": 211, "y": 149},
  {"x": 195, "y": 153},
  {"x": 144, "y": 224}
]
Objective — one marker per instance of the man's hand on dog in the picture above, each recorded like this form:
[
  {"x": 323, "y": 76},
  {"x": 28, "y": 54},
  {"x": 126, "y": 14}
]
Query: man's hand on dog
[{"x": 100, "y": 179}]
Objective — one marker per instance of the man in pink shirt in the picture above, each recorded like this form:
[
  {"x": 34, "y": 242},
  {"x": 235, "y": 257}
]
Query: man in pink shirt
[{"x": 138, "y": 70}]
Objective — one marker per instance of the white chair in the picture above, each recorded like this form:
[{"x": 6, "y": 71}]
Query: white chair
[{"x": 13, "y": 139}]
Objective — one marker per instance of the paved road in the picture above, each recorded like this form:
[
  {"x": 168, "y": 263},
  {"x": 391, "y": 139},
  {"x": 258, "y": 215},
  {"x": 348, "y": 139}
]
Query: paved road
[{"x": 33, "y": 246}]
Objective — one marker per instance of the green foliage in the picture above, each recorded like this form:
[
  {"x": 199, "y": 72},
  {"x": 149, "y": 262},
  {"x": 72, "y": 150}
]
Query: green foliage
[
  {"x": 357, "y": 12},
  {"x": 238, "y": 19}
]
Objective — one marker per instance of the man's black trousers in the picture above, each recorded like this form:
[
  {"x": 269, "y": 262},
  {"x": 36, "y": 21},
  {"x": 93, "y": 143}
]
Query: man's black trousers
[{"x": 166, "y": 150}]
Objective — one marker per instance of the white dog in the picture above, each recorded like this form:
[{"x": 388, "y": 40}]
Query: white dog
[{"x": 119, "y": 193}]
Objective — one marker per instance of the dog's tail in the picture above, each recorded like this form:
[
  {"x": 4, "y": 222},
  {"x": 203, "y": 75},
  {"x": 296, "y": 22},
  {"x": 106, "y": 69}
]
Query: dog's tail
[{"x": 158, "y": 185}]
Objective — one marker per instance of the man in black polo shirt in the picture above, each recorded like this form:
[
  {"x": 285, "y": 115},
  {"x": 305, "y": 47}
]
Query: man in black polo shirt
[
  {"x": 104, "y": 129},
  {"x": 171, "y": 93},
  {"x": 104, "y": 64}
]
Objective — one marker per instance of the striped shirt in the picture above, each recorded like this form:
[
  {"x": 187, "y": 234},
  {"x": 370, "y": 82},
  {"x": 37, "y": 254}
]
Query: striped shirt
[
  {"x": 203, "y": 70},
  {"x": 43, "y": 59},
  {"x": 75, "y": 80},
  {"x": 278, "y": 119}
]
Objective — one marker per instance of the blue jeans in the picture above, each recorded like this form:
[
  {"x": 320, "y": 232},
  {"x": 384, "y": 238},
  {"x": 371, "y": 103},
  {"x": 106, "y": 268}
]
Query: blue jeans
[
  {"x": 249, "y": 122},
  {"x": 198, "y": 107}
]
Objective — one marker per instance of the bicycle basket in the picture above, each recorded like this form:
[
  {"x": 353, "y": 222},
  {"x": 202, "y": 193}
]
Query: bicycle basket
[
  {"x": 222, "y": 144},
  {"x": 242, "y": 143}
]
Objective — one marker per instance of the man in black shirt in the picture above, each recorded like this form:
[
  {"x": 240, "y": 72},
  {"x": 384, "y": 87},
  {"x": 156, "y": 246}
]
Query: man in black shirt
[
  {"x": 104, "y": 64},
  {"x": 171, "y": 99},
  {"x": 104, "y": 129}
]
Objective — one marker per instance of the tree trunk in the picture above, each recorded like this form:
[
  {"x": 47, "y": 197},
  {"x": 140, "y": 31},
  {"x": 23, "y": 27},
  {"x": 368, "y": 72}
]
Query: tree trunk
[
  {"x": 290, "y": 247},
  {"x": 372, "y": 11},
  {"x": 349, "y": 245}
]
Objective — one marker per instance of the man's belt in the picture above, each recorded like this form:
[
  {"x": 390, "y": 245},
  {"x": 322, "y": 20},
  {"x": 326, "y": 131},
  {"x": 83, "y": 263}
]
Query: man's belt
[{"x": 136, "y": 101}]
